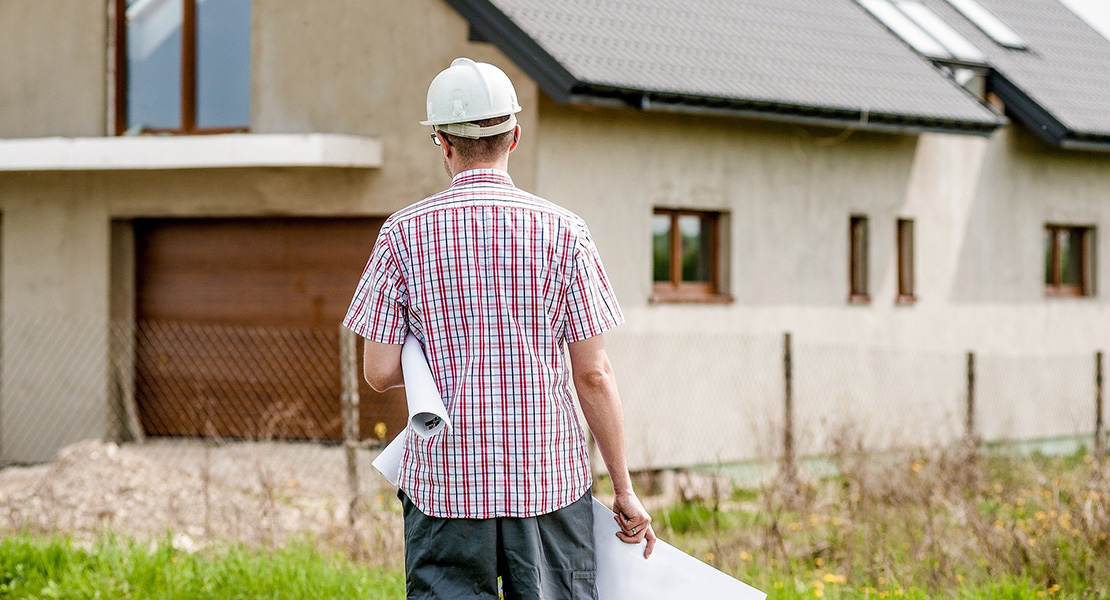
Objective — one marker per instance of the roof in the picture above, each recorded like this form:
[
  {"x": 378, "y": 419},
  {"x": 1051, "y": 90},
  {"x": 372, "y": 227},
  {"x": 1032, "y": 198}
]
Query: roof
[
  {"x": 1060, "y": 85},
  {"x": 817, "y": 61}
]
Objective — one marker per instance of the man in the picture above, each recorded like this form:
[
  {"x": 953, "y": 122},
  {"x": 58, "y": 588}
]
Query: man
[{"x": 494, "y": 281}]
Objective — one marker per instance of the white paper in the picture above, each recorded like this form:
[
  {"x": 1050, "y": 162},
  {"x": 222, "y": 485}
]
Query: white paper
[
  {"x": 388, "y": 463},
  {"x": 623, "y": 572},
  {"x": 427, "y": 413}
]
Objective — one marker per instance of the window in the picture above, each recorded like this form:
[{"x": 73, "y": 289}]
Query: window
[
  {"x": 905, "y": 261},
  {"x": 182, "y": 66},
  {"x": 989, "y": 24},
  {"x": 685, "y": 256},
  {"x": 924, "y": 30},
  {"x": 1069, "y": 260},
  {"x": 857, "y": 259}
]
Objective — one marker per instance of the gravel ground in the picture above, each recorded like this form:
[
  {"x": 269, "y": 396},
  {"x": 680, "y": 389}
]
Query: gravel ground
[{"x": 257, "y": 493}]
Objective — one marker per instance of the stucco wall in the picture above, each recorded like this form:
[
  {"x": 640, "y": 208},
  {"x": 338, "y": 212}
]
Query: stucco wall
[
  {"x": 55, "y": 335},
  {"x": 53, "y": 60},
  {"x": 894, "y": 374}
]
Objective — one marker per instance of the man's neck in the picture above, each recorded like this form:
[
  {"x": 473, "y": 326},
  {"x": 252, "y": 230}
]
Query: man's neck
[{"x": 502, "y": 165}]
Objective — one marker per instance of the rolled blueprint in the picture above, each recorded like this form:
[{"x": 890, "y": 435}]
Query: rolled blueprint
[
  {"x": 427, "y": 413},
  {"x": 622, "y": 571}
]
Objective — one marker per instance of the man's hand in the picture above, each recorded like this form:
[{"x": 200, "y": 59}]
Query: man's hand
[{"x": 634, "y": 521}]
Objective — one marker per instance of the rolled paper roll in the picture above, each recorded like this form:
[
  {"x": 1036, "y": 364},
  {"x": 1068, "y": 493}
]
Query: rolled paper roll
[{"x": 427, "y": 412}]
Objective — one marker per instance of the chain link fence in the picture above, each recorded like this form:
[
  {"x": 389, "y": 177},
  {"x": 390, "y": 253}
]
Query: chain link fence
[{"x": 217, "y": 431}]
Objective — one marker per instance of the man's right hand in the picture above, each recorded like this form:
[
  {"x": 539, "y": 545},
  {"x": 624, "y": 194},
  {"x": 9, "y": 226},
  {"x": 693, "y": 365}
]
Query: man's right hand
[{"x": 634, "y": 521}]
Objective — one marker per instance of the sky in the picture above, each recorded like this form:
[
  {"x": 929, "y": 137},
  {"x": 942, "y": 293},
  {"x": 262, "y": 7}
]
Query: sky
[{"x": 1095, "y": 12}]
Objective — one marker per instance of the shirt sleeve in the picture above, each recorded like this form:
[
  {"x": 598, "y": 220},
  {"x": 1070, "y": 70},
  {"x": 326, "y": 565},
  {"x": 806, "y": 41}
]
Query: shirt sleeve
[
  {"x": 591, "y": 304},
  {"x": 379, "y": 308}
]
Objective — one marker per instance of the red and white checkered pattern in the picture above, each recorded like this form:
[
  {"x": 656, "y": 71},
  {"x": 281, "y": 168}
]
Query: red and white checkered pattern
[{"x": 492, "y": 280}]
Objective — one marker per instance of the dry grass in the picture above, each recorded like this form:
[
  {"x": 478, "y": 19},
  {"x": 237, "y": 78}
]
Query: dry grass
[{"x": 941, "y": 524}]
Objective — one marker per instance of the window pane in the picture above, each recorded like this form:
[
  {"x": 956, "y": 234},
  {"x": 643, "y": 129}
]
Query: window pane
[
  {"x": 1071, "y": 252},
  {"x": 661, "y": 247},
  {"x": 154, "y": 63},
  {"x": 1049, "y": 236},
  {"x": 223, "y": 63},
  {"x": 695, "y": 247}
]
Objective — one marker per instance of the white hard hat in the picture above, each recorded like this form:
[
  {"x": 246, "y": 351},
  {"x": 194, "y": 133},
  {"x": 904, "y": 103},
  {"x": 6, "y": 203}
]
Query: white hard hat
[{"x": 469, "y": 91}]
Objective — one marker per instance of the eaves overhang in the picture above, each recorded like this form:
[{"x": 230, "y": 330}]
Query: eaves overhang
[{"x": 565, "y": 88}]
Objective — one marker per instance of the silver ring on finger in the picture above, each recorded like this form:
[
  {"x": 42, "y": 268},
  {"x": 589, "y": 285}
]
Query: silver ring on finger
[{"x": 633, "y": 531}]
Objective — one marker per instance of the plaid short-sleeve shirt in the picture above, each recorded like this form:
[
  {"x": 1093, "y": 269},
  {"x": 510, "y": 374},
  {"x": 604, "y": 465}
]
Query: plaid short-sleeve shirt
[{"x": 493, "y": 281}]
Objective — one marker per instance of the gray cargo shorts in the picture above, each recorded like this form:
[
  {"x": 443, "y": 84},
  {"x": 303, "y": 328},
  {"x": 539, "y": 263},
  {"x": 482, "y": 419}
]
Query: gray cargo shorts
[{"x": 549, "y": 556}]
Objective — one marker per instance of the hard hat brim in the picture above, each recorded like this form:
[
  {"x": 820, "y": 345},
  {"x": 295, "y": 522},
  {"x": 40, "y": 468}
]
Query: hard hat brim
[{"x": 470, "y": 119}]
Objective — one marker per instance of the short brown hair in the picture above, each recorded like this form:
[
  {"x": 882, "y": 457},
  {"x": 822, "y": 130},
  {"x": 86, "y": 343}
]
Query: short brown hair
[{"x": 486, "y": 149}]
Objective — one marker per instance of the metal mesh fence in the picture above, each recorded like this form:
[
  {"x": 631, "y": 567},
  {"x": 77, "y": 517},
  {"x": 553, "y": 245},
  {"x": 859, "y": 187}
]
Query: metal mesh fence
[{"x": 228, "y": 431}]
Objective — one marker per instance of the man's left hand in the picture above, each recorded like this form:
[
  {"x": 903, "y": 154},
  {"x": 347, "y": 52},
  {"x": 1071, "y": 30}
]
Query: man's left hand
[{"x": 634, "y": 521}]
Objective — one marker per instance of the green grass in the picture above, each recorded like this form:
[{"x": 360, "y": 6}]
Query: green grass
[{"x": 34, "y": 566}]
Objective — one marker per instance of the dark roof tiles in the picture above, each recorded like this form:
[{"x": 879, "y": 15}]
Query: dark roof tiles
[{"x": 809, "y": 53}]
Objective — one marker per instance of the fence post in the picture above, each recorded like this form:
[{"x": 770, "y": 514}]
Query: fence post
[
  {"x": 348, "y": 373},
  {"x": 789, "y": 467},
  {"x": 969, "y": 420},
  {"x": 1098, "y": 405}
]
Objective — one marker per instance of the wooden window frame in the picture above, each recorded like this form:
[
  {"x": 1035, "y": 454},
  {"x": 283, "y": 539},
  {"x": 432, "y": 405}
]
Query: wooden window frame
[
  {"x": 676, "y": 290},
  {"x": 188, "y": 76},
  {"x": 1056, "y": 288},
  {"x": 907, "y": 280},
  {"x": 859, "y": 296}
]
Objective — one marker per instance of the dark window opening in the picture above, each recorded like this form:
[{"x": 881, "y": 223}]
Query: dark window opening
[
  {"x": 857, "y": 260},
  {"x": 1069, "y": 260},
  {"x": 906, "y": 292}
]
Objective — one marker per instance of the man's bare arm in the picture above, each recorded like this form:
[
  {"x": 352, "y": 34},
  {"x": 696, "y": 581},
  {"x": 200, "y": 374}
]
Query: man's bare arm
[
  {"x": 601, "y": 405},
  {"x": 381, "y": 365}
]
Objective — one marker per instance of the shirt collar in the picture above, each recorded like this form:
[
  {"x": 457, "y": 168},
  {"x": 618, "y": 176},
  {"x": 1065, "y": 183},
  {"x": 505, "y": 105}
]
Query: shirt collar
[{"x": 475, "y": 176}]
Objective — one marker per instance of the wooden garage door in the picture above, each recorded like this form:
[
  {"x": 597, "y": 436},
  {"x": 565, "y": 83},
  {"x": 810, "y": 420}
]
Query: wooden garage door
[{"x": 238, "y": 327}]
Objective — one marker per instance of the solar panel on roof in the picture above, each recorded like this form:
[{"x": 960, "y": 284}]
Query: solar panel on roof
[
  {"x": 904, "y": 28},
  {"x": 989, "y": 24},
  {"x": 942, "y": 32}
]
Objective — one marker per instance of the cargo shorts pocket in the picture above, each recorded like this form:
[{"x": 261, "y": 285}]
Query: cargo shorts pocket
[{"x": 583, "y": 584}]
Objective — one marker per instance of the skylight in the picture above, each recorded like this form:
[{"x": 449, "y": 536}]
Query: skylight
[
  {"x": 942, "y": 32},
  {"x": 989, "y": 24},
  {"x": 906, "y": 29}
]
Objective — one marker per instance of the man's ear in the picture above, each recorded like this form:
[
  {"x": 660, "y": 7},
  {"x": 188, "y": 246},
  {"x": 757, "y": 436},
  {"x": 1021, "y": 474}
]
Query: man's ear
[
  {"x": 516, "y": 138},
  {"x": 444, "y": 145}
]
